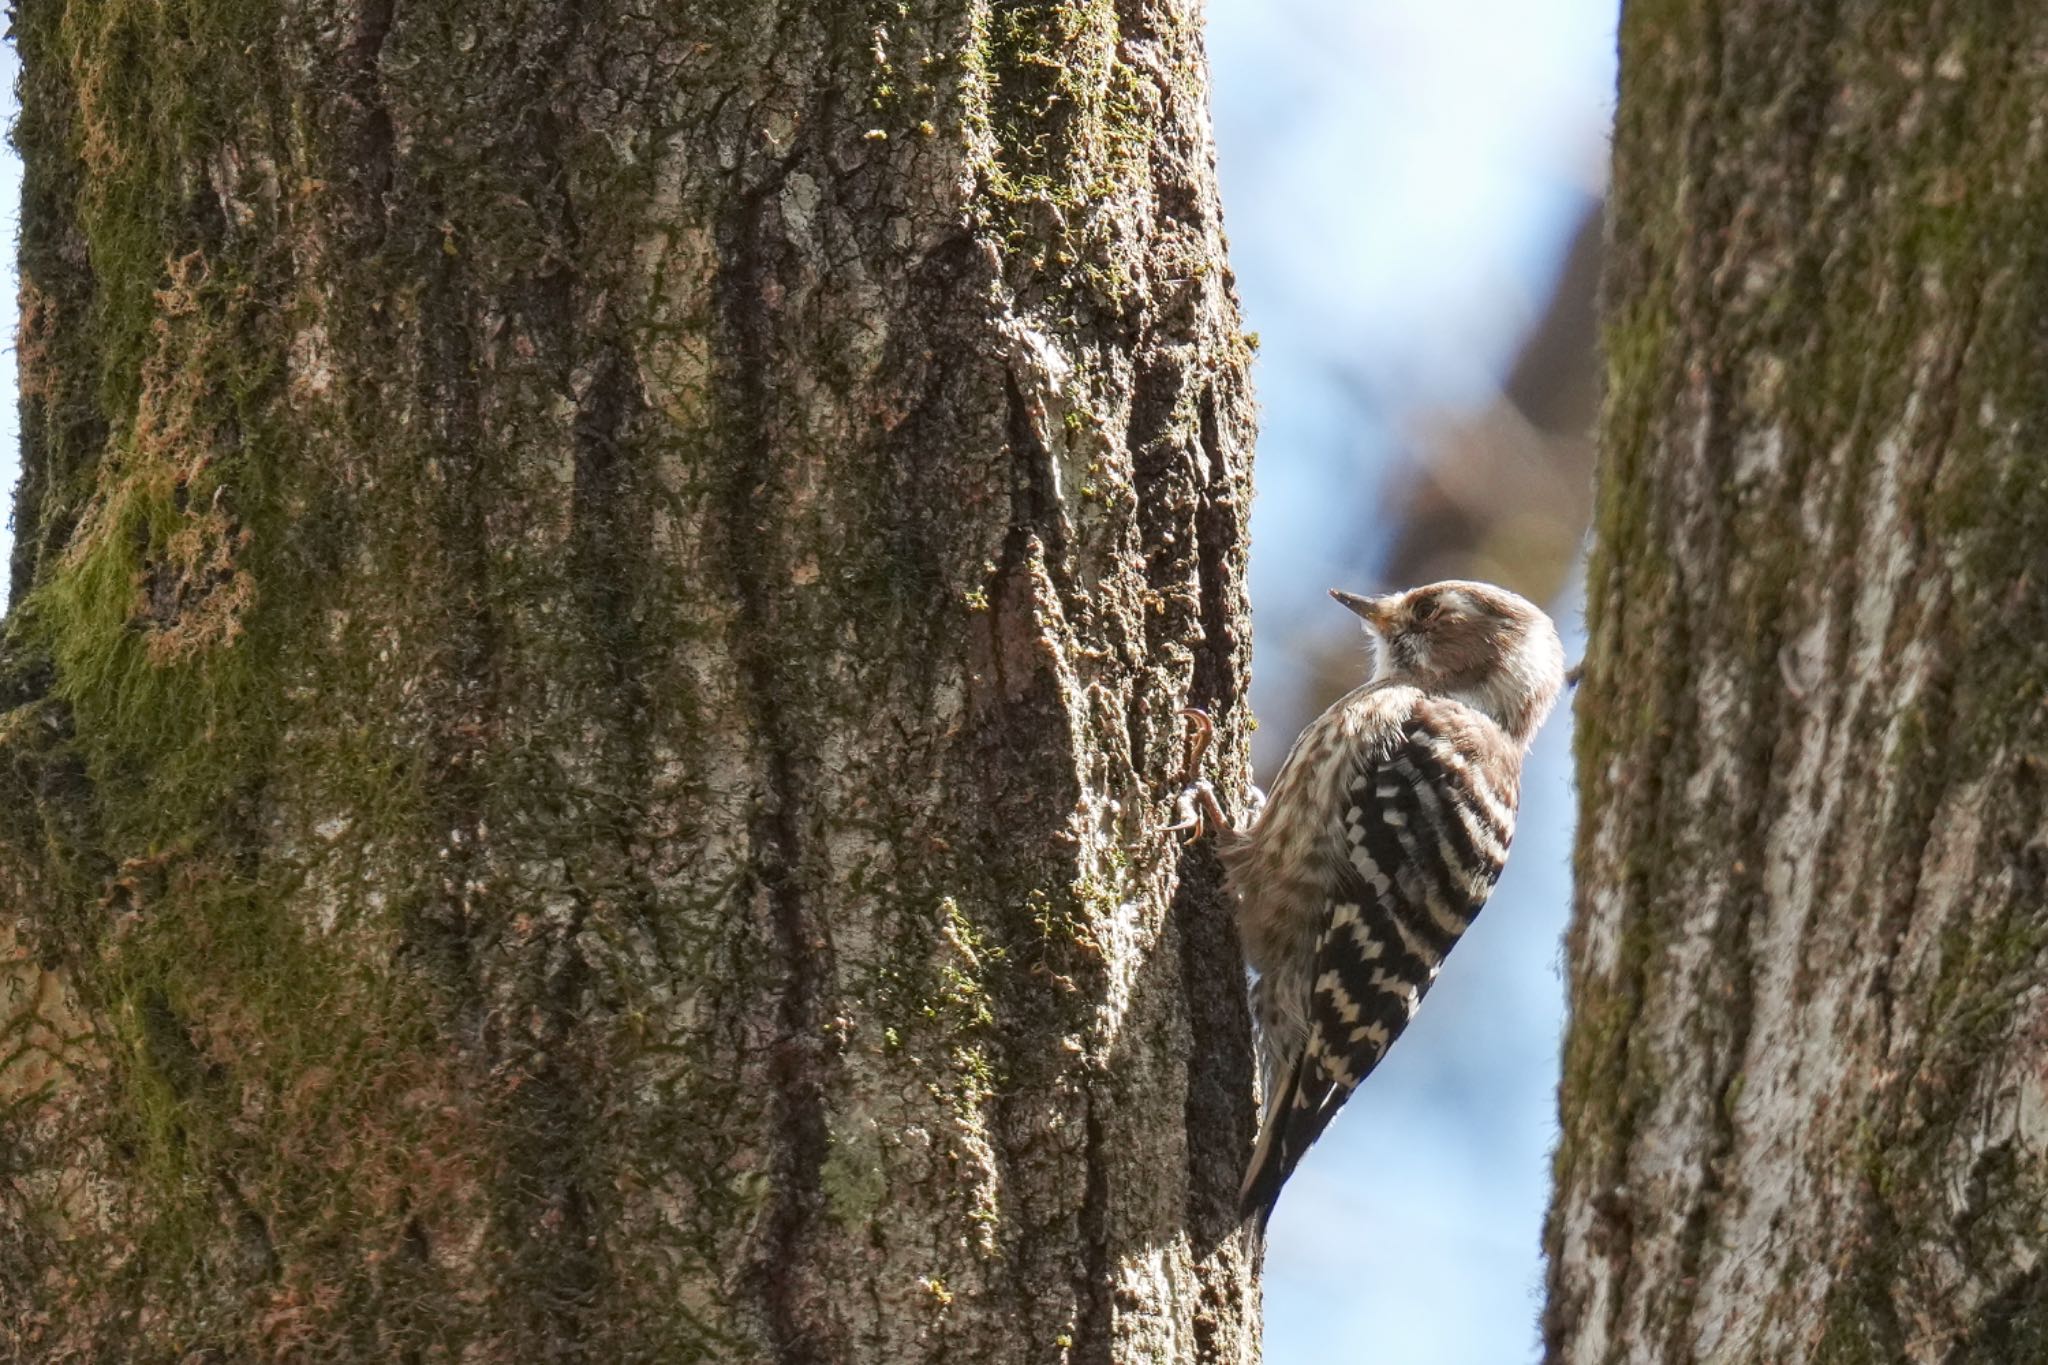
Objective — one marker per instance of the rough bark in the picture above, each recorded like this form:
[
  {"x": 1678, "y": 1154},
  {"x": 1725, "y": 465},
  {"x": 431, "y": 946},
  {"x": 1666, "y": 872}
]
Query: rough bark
[
  {"x": 601, "y": 593},
  {"x": 1805, "y": 1094}
]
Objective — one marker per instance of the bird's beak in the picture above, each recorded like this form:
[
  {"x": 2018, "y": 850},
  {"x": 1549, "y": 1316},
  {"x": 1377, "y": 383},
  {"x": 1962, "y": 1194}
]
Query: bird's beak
[{"x": 1377, "y": 612}]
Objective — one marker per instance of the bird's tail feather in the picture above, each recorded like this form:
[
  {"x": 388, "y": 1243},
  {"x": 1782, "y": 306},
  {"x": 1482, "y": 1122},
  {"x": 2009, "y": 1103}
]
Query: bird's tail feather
[
  {"x": 1271, "y": 1161},
  {"x": 1294, "y": 1120}
]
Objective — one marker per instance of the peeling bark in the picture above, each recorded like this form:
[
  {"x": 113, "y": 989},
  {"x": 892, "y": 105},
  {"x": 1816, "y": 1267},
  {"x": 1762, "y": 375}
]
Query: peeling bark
[
  {"x": 601, "y": 594},
  {"x": 1805, "y": 1095}
]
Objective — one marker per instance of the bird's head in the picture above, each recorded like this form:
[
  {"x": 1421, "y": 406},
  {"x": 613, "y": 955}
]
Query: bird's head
[{"x": 1487, "y": 647}]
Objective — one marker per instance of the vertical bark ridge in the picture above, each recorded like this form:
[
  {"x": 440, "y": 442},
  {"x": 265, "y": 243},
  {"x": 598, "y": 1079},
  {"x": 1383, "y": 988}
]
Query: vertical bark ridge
[
  {"x": 592, "y": 694},
  {"x": 1803, "y": 972}
]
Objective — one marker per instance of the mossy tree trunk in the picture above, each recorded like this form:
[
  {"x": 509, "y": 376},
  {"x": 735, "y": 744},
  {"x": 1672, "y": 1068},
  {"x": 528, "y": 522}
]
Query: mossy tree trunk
[
  {"x": 1805, "y": 1098},
  {"x": 600, "y": 598}
]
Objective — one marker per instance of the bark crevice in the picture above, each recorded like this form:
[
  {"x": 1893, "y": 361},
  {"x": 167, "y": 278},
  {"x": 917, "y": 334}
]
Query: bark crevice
[
  {"x": 665, "y": 858},
  {"x": 1802, "y": 962}
]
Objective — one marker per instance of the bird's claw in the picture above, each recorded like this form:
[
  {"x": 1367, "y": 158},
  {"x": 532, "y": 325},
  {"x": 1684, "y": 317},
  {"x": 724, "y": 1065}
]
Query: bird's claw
[
  {"x": 1196, "y": 803},
  {"x": 1199, "y": 811}
]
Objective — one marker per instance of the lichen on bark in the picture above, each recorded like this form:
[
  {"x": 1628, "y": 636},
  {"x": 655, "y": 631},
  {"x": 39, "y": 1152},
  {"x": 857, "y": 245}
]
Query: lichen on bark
[
  {"x": 601, "y": 597},
  {"x": 1801, "y": 1098}
]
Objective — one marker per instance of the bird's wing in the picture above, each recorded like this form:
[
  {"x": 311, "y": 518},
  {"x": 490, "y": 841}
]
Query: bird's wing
[{"x": 1425, "y": 827}]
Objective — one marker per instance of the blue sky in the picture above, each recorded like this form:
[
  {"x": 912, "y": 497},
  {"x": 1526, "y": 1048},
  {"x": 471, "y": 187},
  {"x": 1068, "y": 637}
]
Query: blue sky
[{"x": 1399, "y": 178}]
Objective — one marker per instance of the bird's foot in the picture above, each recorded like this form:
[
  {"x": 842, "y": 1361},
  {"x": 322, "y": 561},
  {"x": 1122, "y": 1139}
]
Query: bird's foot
[{"x": 1196, "y": 805}]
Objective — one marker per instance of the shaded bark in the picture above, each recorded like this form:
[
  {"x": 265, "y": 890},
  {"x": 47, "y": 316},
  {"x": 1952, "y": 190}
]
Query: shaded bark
[
  {"x": 1803, "y": 1098},
  {"x": 601, "y": 592}
]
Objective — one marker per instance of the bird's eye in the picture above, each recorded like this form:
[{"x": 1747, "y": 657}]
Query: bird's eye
[{"x": 1425, "y": 609}]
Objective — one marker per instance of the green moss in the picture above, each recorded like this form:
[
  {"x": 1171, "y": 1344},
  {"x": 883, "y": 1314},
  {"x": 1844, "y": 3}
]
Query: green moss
[
  {"x": 161, "y": 507},
  {"x": 186, "y": 727},
  {"x": 1065, "y": 121},
  {"x": 257, "y": 1073},
  {"x": 155, "y": 83},
  {"x": 853, "y": 1179},
  {"x": 319, "y": 637},
  {"x": 1871, "y": 305}
]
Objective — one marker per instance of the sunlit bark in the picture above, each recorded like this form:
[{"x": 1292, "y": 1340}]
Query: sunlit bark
[{"x": 601, "y": 594}]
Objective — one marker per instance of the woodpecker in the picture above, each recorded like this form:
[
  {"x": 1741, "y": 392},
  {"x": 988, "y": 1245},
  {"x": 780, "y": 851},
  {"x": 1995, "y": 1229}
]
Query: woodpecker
[{"x": 1383, "y": 836}]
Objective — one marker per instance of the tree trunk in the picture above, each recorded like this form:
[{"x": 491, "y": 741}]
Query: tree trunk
[
  {"x": 1805, "y": 1095},
  {"x": 601, "y": 594}
]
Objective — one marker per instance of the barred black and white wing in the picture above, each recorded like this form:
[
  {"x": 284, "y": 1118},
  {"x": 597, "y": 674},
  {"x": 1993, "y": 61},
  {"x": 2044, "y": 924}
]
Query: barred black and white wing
[{"x": 1423, "y": 831}]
